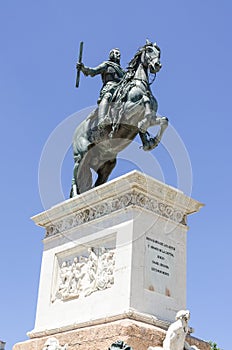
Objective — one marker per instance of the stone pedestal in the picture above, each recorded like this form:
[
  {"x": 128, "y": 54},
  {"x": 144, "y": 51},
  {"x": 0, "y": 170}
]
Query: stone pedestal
[{"x": 114, "y": 257}]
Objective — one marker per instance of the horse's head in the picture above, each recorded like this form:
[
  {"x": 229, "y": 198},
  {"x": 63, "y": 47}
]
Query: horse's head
[{"x": 151, "y": 57}]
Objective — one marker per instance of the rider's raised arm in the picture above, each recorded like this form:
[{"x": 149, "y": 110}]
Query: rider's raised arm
[{"x": 94, "y": 71}]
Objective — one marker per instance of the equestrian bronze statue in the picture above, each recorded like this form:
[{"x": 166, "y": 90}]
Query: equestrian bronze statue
[{"x": 126, "y": 108}]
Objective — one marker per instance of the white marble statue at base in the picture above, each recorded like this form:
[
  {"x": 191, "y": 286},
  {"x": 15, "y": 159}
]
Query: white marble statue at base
[
  {"x": 176, "y": 334},
  {"x": 53, "y": 344}
]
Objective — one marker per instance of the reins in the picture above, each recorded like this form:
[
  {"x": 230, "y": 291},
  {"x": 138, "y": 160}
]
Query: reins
[{"x": 153, "y": 79}]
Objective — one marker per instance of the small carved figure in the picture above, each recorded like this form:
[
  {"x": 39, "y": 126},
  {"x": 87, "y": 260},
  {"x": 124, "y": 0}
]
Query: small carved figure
[
  {"x": 176, "y": 334},
  {"x": 86, "y": 275},
  {"x": 64, "y": 279},
  {"x": 105, "y": 277},
  {"x": 89, "y": 279},
  {"x": 75, "y": 277},
  {"x": 53, "y": 344}
]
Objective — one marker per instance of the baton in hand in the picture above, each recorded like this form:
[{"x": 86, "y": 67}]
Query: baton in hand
[{"x": 79, "y": 61}]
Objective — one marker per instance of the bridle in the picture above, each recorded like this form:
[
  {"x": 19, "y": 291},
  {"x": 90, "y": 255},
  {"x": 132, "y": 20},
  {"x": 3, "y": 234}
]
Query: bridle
[
  {"x": 149, "y": 59},
  {"x": 153, "y": 79}
]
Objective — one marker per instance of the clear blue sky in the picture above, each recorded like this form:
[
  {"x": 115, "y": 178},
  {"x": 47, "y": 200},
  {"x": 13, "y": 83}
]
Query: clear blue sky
[{"x": 39, "y": 45}]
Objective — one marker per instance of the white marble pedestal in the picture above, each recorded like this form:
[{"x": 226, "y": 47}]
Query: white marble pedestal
[
  {"x": 136, "y": 227},
  {"x": 113, "y": 267}
]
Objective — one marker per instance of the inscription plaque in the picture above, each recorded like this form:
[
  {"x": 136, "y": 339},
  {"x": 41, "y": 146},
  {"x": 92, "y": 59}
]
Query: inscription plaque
[{"x": 159, "y": 265}]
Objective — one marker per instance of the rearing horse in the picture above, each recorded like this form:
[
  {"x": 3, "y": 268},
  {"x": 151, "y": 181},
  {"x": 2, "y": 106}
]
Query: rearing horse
[{"x": 132, "y": 111}]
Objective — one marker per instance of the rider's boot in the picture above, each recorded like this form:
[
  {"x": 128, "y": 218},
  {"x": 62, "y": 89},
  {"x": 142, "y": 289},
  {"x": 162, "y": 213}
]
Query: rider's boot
[{"x": 102, "y": 112}]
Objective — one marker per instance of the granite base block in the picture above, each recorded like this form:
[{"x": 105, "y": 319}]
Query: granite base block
[{"x": 137, "y": 334}]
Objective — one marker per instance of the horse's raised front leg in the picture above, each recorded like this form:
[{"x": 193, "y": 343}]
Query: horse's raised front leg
[
  {"x": 163, "y": 123},
  {"x": 150, "y": 143},
  {"x": 144, "y": 124},
  {"x": 104, "y": 172}
]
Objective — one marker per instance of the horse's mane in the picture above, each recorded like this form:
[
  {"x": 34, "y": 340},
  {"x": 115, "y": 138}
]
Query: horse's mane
[
  {"x": 130, "y": 72},
  {"x": 133, "y": 64}
]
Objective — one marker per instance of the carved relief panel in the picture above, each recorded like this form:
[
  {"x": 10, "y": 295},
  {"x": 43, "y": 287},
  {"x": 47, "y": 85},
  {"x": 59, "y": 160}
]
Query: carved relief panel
[{"x": 84, "y": 272}]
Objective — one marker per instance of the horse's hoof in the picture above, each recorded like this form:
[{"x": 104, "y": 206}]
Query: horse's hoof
[
  {"x": 147, "y": 147},
  {"x": 154, "y": 142},
  {"x": 151, "y": 144}
]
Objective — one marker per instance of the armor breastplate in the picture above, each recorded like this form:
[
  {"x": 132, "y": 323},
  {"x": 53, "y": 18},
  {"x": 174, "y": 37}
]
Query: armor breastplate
[{"x": 113, "y": 73}]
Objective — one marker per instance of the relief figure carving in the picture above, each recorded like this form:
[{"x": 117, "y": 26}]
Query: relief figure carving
[{"x": 86, "y": 274}]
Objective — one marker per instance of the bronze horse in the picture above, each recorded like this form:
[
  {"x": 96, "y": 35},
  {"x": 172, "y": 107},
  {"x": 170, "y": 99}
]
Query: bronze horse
[{"x": 132, "y": 111}]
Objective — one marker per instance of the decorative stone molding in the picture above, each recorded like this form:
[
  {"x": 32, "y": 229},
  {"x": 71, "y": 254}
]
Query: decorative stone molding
[
  {"x": 130, "y": 190},
  {"x": 127, "y": 200},
  {"x": 129, "y": 315},
  {"x": 84, "y": 275}
]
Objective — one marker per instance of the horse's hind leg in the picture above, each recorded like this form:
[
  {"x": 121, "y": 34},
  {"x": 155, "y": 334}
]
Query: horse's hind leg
[
  {"x": 74, "y": 189},
  {"x": 82, "y": 176},
  {"x": 104, "y": 172}
]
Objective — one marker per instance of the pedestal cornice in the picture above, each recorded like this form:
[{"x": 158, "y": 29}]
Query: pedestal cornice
[{"x": 128, "y": 191}]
